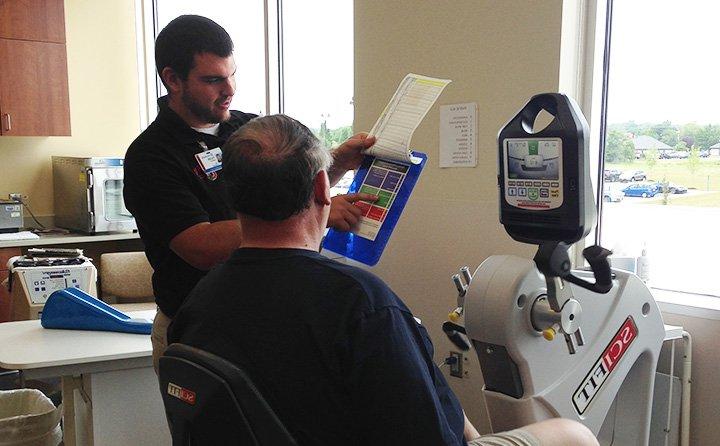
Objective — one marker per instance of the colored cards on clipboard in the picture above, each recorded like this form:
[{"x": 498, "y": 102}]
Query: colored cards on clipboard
[{"x": 393, "y": 183}]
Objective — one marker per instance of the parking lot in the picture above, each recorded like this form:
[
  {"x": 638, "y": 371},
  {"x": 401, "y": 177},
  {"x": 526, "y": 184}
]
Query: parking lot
[{"x": 681, "y": 241}]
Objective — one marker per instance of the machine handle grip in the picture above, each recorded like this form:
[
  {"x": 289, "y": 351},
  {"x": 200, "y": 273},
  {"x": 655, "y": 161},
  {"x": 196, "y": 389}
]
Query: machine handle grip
[
  {"x": 456, "y": 334},
  {"x": 552, "y": 260},
  {"x": 596, "y": 256}
]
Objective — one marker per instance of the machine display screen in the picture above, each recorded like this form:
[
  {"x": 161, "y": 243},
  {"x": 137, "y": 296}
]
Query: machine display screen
[
  {"x": 533, "y": 173},
  {"x": 534, "y": 159}
]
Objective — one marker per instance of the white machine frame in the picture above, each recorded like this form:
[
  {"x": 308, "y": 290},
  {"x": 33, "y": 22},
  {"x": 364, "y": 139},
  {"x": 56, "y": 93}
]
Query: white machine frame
[{"x": 606, "y": 383}]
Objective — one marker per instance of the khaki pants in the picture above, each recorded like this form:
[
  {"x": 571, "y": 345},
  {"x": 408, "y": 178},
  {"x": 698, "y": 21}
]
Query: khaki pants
[
  {"x": 158, "y": 337},
  {"x": 517, "y": 437}
]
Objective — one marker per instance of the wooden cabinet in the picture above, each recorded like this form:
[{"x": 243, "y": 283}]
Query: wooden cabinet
[
  {"x": 39, "y": 20},
  {"x": 33, "y": 88},
  {"x": 34, "y": 99}
]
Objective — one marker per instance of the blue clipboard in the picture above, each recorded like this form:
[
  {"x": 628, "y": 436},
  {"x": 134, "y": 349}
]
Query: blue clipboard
[{"x": 362, "y": 249}]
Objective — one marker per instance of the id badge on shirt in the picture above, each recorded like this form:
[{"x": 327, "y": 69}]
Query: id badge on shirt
[{"x": 210, "y": 161}]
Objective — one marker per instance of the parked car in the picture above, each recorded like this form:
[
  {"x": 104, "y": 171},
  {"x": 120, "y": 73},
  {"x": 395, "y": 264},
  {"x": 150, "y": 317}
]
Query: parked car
[
  {"x": 641, "y": 190},
  {"x": 673, "y": 188},
  {"x": 676, "y": 154},
  {"x": 611, "y": 175},
  {"x": 613, "y": 195},
  {"x": 633, "y": 175},
  {"x": 704, "y": 153}
]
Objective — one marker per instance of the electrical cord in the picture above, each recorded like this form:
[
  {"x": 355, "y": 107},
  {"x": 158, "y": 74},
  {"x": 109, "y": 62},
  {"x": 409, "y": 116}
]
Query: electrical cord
[
  {"x": 25, "y": 205},
  {"x": 450, "y": 360}
]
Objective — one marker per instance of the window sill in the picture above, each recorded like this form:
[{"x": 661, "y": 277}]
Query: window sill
[{"x": 687, "y": 304}]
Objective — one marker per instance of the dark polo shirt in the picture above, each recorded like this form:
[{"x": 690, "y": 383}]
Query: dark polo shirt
[
  {"x": 333, "y": 350},
  {"x": 167, "y": 192}
]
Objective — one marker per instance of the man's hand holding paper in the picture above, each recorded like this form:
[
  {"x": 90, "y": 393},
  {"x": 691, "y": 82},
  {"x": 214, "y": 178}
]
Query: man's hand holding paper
[{"x": 349, "y": 155}]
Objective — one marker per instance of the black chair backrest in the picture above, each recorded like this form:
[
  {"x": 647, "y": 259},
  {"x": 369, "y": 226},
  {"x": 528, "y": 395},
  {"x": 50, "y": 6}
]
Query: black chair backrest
[{"x": 208, "y": 400}]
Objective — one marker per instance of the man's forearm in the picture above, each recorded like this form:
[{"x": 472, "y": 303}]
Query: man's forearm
[
  {"x": 334, "y": 175},
  {"x": 336, "y": 172},
  {"x": 469, "y": 430},
  {"x": 204, "y": 245}
]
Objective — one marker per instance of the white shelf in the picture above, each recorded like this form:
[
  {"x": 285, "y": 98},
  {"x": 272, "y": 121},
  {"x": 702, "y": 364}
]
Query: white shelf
[{"x": 673, "y": 332}]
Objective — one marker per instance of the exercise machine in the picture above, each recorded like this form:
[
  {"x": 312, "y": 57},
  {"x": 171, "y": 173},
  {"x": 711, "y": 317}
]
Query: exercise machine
[{"x": 553, "y": 341}]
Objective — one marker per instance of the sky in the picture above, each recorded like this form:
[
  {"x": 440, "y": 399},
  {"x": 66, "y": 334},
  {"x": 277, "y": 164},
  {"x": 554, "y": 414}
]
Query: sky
[{"x": 664, "y": 61}]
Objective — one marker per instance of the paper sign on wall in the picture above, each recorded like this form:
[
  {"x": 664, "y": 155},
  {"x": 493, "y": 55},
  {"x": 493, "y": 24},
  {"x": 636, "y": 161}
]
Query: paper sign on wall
[{"x": 458, "y": 145}]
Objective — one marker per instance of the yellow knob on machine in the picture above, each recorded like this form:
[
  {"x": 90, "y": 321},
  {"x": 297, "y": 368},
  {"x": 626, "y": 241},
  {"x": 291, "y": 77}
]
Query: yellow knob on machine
[
  {"x": 549, "y": 334},
  {"x": 454, "y": 316}
]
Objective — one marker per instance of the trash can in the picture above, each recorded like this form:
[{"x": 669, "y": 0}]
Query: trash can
[{"x": 27, "y": 417}]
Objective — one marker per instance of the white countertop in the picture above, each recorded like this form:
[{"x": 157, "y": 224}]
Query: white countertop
[
  {"x": 74, "y": 238},
  {"x": 26, "y": 345}
]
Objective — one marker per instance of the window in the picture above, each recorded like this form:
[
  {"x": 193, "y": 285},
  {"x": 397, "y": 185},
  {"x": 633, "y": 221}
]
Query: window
[
  {"x": 661, "y": 152},
  {"x": 304, "y": 68},
  {"x": 244, "y": 21},
  {"x": 318, "y": 70}
]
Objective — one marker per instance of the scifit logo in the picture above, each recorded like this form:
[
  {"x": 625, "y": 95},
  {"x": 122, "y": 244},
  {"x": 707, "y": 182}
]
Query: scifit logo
[
  {"x": 605, "y": 364},
  {"x": 180, "y": 393}
]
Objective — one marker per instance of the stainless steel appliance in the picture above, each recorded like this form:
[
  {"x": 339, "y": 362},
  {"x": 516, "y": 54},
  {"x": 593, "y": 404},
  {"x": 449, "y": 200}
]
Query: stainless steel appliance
[
  {"x": 11, "y": 216},
  {"x": 88, "y": 194}
]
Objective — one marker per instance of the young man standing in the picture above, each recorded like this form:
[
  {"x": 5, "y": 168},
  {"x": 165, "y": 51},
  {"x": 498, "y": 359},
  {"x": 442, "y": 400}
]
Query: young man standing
[
  {"x": 336, "y": 354},
  {"x": 174, "y": 183}
]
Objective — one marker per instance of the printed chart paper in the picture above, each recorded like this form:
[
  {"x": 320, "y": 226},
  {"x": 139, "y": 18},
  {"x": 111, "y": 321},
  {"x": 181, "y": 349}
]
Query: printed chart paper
[
  {"x": 407, "y": 108},
  {"x": 458, "y": 136}
]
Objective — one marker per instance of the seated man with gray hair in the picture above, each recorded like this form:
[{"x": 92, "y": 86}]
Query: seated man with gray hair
[{"x": 336, "y": 354}]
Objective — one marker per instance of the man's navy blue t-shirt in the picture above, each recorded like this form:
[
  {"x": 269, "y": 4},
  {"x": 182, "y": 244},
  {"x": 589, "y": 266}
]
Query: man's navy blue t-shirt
[{"x": 333, "y": 350}]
